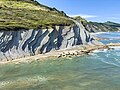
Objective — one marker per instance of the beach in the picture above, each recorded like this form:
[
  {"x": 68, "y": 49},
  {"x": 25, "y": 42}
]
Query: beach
[{"x": 75, "y": 51}]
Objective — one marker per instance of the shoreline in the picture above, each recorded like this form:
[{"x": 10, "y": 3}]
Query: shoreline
[
  {"x": 67, "y": 53},
  {"x": 75, "y": 51},
  {"x": 113, "y": 44}
]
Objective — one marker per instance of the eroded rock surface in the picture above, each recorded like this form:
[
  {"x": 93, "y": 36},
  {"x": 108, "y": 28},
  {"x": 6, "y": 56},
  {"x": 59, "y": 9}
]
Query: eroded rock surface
[{"x": 22, "y": 43}]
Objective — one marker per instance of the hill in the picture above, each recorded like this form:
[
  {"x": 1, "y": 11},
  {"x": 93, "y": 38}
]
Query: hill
[
  {"x": 99, "y": 27},
  {"x": 29, "y": 14}
]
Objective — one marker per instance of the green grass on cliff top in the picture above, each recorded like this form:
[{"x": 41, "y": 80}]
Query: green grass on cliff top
[{"x": 29, "y": 14}]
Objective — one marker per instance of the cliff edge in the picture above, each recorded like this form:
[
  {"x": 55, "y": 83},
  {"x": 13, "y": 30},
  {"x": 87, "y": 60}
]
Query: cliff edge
[{"x": 28, "y": 28}]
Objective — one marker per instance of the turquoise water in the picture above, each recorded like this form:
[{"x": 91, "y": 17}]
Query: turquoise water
[
  {"x": 98, "y": 71},
  {"x": 113, "y": 37},
  {"x": 110, "y": 35}
]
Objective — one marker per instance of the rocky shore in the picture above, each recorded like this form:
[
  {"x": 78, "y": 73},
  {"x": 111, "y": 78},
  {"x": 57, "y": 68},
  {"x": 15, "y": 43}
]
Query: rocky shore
[
  {"x": 113, "y": 44},
  {"x": 75, "y": 51},
  {"x": 65, "y": 53}
]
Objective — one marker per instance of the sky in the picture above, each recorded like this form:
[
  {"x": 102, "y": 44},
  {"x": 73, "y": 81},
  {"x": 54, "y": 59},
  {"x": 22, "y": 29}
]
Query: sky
[{"x": 92, "y": 10}]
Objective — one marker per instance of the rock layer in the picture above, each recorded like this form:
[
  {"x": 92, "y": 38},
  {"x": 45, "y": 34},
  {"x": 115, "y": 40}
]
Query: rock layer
[{"x": 22, "y": 43}]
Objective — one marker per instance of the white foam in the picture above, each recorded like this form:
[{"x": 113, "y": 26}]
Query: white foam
[
  {"x": 115, "y": 47},
  {"x": 97, "y": 51},
  {"x": 98, "y": 33},
  {"x": 94, "y": 55}
]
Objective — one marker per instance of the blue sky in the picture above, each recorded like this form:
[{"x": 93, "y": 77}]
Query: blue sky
[{"x": 92, "y": 10}]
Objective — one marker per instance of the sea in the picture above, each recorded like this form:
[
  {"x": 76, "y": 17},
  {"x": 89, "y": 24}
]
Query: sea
[{"x": 100, "y": 70}]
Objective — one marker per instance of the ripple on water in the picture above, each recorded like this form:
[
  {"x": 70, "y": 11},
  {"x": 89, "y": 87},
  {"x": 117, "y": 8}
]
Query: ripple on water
[{"x": 22, "y": 82}]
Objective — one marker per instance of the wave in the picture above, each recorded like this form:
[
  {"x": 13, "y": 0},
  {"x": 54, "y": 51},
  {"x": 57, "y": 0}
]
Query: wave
[
  {"x": 108, "y": 35},
  {"x": 99, "y": 33},
  {"x": 117, "y": 60},
  {"x": 110, "y": 63},
  {"x": 115, "y": 47},
  {"x": 97, "y": 51},
  {"x": 111, "y": 57},
  {"x": 23, "y": 80}
]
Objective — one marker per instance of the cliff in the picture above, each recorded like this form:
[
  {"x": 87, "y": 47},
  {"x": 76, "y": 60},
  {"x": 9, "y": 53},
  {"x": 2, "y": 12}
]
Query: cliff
[
  {"x": 99, "y": 27},
  {"x": 103, "y": 27},
  {"x": 22, "y": 43},
  {"x": 26, "y": 31}
]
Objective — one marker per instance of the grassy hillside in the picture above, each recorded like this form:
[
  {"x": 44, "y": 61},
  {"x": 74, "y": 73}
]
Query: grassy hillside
[
  {"x": 112, "y": 24},
  {"x": 99, "y": 27},
  {"x": 29, "y": 14},
  {"x": 104, "y": 27}
]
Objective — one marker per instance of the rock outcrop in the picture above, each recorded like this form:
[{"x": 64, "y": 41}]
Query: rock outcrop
[
  {"x": 22, "y": 43},
  {"x": 16, "y": 42}
]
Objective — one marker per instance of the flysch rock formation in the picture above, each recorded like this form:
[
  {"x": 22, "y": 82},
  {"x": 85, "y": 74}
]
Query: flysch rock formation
[{"x": 22, "y": 43}]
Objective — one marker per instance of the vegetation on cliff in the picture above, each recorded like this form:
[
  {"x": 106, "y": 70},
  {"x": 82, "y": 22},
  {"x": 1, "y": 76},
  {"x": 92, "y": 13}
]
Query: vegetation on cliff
[
  {"x": 98, "y": 27},
  {"x": 104, "y": 27},
  {"x": 29, "y": 14}
]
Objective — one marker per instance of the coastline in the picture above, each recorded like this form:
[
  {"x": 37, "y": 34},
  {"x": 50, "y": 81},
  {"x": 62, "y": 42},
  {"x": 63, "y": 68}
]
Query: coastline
[
  {"x": 66, "y": 53},
  {"x": 75, "y": 51}
]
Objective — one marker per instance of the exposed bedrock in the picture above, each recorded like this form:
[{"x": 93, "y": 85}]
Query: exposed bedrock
[{"x": 22, "y": 43}]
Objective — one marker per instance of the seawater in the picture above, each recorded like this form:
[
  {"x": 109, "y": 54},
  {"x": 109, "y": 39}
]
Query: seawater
[
  {"x": 111, "y": 37},
  {"x": 98, "y": 71}
]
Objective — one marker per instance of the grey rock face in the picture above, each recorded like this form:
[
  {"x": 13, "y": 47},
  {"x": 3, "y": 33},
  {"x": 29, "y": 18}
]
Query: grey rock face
[{"x": 22, "y": 43}]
